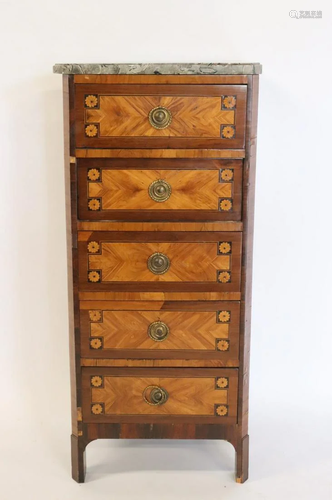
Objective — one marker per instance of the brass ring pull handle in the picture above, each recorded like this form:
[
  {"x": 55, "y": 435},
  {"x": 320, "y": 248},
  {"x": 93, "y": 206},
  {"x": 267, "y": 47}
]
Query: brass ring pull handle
[
  {"x": 158, "y": 331},
  {"x": 158, "y": 263},
  {"x": 154, "y": 395},
  {"x": 160, "y": 117},
  {"x": 160, "y": 190}
]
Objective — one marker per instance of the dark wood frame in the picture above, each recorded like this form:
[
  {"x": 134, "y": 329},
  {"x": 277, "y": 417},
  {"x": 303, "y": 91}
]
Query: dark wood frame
[{"x": 83, "y": 433}]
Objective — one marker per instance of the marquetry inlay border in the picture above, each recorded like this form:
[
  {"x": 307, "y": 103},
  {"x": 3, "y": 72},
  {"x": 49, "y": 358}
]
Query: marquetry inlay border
[
  {"x": 92, "y": 102},
  {"x": 96, "y": 342},
  {"x": 226, "y": 176},
  {"x": 223, "y": 248},
  {"x": 107, "y": 390}
]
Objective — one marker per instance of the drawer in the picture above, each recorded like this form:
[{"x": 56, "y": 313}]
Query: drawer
[
  {"x": 134, "y": 394},
  {"x": 160, "y": 116},
  {"x": 157, "y": 261},
  {"x": 160, "y": 189},
  {"x": 161, "y": 330}
]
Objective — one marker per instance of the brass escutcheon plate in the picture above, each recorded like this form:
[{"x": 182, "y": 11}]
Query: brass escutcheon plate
[
  {"x": 160, "y": 190},
  {"x": 158, "y": 331},
  {"x": 154, "y": 395},
  {"x": 158, "y": 263},
  {"x": 160, "y": 117}
]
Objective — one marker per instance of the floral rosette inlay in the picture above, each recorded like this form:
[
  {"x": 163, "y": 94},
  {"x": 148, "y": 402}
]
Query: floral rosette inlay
[
  {"x": 94, "y": 204},
  {"x": 227, "y": 174},
  {"x": 224, "y": 277},
  {"x": 224, "y": 316},
  {"x": 95, "y": 315},
  {"x": 223, "y": 345},
  {"x": 91, "y": 101},
  {"x": 228, "y": 132},
  {"x": 91, "y": 130},
  {"x": 221, "y": 410},
  {"x": 93, "y": 247},
  {"x": 97, "y": 408},
  {"x": 96, "y": 343},
  {"x": 226, "y": 205},
  {"x": 96, "y": 381},
  {"x": 93, "y": 174},
  {"x": 229, "y": 101}
]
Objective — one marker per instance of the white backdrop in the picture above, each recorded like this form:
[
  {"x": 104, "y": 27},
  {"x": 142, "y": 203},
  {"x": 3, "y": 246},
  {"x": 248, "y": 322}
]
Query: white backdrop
[{"x": 291, "y": 329}]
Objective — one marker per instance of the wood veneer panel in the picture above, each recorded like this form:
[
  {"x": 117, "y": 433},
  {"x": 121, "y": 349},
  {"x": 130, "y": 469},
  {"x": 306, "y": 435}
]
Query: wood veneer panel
[
  {"x": 187, "y": 430},
  {"x": 120, "y": 262},
  {"x": 209, "y": 395},
  {"x": 194, "y": 363},
  {"x": 199, "y": 330},
  {"x": 159, "y": 153},
  {"x": 247, "y": 261},
  {"x": 159, "y": 226},
  {"x": 72, "y": 257},
  {"x": 162, "y": 79},
  {"x": 160, "y": 296},
  {"x": 119, "y": 117},
  {"x": 200, "y": 189}
]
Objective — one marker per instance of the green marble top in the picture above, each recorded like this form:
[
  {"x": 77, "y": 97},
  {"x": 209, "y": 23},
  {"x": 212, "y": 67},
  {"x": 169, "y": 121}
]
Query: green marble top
[{"x": 159, "y": 69}]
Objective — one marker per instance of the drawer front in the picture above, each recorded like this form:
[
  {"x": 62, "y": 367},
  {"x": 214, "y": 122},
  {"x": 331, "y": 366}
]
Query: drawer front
[
  {"x": 159, "y": 394},
  {"x": 158, "y": 261},
  {"x": 155, "y": 190},
  {"x": 160, "y": 330},
  {"x": 160, "y": 116}
]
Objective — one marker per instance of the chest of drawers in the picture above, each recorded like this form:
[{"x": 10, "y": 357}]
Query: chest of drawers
[{"x": 160, "y": 174}]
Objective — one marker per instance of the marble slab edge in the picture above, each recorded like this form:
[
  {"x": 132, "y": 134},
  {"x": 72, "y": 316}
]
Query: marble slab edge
[{"x": 159, "y": 69}]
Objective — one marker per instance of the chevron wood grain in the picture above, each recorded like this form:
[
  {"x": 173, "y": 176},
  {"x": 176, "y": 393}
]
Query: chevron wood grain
[
  {"x": 111, "y": 261},
  {"x": 117, "y": 116},
  {"x": 128, "y": 116},
  {"x": 189, "y": 262},
  {"x": 129, "y": 189},
  {"x": 120, "y": 189},
  {"x": 207, "y": 330},
  {"x": 129, "y": 330},
  {"x": 189, "y": 396}
]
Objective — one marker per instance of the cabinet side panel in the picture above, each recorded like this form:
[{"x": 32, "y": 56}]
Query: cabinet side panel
[
  {"x": 249, "y": 174},
  {"x": 72, "y": 260}
]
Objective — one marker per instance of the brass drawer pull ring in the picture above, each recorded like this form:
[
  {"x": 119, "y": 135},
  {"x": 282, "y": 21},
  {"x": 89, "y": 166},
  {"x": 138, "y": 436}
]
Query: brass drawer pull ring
[
  {"x": 160, "y": 191},
  {"x": 154, "y": 395},
  {"x": 158, "y": 331},
  {"x": 158, "y": 263},
  {"x": 160, "y": 117}
]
